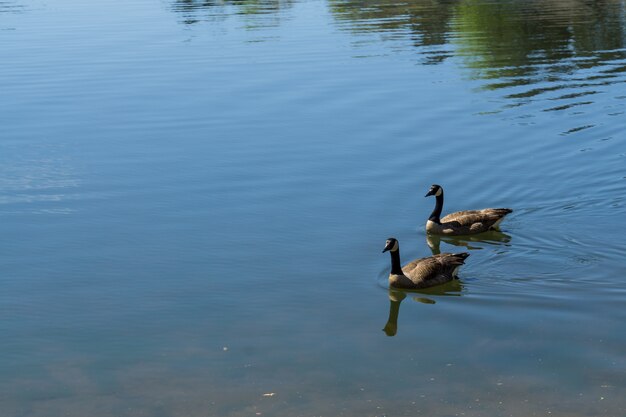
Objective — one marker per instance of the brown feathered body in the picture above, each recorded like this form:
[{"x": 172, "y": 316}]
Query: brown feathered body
[
  {"x": 428, "y": 272},
  {"x": 468, "y": 222}
]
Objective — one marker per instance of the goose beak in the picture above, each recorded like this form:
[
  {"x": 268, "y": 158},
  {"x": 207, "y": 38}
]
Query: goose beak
[
  {"x": 429, "y": 193},
  {"x": 388, "y": 246}
]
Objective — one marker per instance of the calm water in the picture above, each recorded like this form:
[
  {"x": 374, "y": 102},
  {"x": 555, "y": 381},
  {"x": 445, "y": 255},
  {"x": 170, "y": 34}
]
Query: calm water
[{"x": 194, "y": 196}]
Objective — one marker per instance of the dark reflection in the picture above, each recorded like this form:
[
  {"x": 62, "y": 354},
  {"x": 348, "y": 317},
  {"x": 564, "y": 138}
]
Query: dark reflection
[
  {"x": 471, "y": 242},
  {"x": 426, "y": 23},
  {"x": 396, "y": 296},
  {"x": 195, "y": 11},
  {"x": 513, "y": 43},
  {"x": 11, "y": 7}
]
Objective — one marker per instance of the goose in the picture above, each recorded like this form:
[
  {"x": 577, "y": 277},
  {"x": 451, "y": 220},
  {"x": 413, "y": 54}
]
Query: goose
[
  {"x": 466, "y": 222},
  {"x": 424, "y": 272}
]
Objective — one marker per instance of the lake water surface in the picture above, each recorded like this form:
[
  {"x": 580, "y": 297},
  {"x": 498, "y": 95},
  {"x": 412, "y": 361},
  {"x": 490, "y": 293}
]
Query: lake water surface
[{"x": 194, "y": 196}]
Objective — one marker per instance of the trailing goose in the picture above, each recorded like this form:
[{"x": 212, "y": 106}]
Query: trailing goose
[
  {"x": 424, "y": 272},
  {"x": 466, "y": 222}
]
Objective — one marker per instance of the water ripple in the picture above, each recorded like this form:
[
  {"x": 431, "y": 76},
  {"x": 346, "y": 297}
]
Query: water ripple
[{"x": 542, "y": 46}]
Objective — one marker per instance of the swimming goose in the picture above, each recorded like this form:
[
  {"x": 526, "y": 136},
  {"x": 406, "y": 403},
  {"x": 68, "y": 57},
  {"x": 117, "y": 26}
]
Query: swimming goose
[
  {"x": 466, "y": 222},
  {"x": 424, "y": 272}
]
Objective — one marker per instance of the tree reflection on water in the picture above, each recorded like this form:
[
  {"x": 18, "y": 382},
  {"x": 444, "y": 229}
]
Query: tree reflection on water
[
  {"x": 510, "y": 42},
  {"x": 566, "y": 51},
  {"x": 196, "y": 11}
]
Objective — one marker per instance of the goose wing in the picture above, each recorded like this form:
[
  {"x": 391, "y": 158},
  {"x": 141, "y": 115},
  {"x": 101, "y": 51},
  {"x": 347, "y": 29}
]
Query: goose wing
[
  {"x": 433, "y": 270},
  {"x": 476, "y": 220},
  {"x": 423, "y": 269}
]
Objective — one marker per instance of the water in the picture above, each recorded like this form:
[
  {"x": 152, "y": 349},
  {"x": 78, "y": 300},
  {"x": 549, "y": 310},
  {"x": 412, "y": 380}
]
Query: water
[{"x": 194, "y": 196}]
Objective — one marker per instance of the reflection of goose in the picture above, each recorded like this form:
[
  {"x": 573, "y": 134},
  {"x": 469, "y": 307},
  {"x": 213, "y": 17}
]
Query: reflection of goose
[
  {"x": 492, "y": 237},
  {"x": 395, "y": 298},
  {"x": 422, "y": 273},
  {"x": 466, "y": 222}
]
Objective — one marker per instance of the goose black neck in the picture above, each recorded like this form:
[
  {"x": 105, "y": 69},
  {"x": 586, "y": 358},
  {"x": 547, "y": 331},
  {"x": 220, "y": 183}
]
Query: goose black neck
[
  {"x": 396, "y": 268},
  {"x": 436, "y": 214}
]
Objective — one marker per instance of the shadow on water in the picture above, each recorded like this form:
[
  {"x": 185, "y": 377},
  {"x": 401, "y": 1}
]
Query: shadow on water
[
  {"x": 563, "y": 50},
  {"x": 470, "y": 242},
  {"x": 452, "y": 288},
  {"x": 196, "y": 11},
  {"x": 11, "y": 6}
]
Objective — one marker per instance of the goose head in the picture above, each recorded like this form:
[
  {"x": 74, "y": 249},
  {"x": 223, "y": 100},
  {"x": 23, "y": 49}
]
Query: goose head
[
  {"x": 391, "y": 245},
  {"x": 435, "y": 190}
]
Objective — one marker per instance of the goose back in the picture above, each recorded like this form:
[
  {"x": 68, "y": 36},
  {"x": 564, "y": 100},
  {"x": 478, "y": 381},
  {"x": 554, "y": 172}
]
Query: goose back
[
  {"x": 428, "y": 272},
  {"x": 468, "y": 221}
]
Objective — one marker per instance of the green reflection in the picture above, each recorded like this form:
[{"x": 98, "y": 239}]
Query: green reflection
[
  {"x": 546, "y": 38},
  {"x": 515, "y": 43},
  {"x": 425, "y": 23}
]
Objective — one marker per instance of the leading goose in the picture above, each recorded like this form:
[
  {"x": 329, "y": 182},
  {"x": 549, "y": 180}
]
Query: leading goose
[
  {"x": 466, "y": 222},
  {"x": 422, "y": 273}
]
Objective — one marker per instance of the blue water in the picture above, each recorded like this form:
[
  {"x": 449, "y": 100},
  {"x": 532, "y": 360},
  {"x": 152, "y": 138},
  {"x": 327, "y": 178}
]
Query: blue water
[{"x": 194, "y": 196}]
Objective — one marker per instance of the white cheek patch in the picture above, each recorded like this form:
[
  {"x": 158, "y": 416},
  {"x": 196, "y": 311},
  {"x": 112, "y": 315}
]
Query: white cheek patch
[
  {"x": 439, "y": 191},
  {"x": 395, "y": 247}
]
